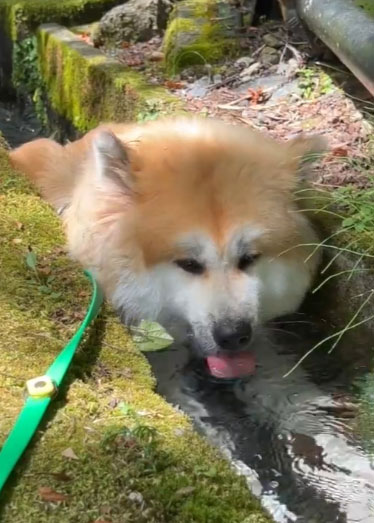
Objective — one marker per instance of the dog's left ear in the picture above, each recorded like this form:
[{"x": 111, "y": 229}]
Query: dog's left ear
[
  {"x": 303, "y": 151},
  {"x": 111, "y": 161}
]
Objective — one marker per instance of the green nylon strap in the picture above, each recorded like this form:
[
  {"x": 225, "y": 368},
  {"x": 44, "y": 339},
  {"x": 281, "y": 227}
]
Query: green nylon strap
[{"x": 34, "y": 409}]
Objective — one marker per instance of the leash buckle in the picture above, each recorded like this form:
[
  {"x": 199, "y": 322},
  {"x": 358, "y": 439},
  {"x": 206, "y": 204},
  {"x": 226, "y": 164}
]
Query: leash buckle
[{"x": 40, "y": 387}]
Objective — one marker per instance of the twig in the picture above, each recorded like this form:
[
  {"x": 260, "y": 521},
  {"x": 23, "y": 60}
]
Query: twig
[
  {"x": 227, "y": 107},
  {"x": 298, "y": 56},
  {"x": 324, "y": 64},
  {"x": 223, "y": 82},
  {"x": 248, "y": 122},
  {"x": 258, "y": 50}
]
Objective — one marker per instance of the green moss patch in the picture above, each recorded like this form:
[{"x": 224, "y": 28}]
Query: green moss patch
[
  {"x": 20, "y": 18},
  {"x": 110, "y": 448},
  {"x": 87, "y": 88},
  {"x": 367, "y": 5},
  {"x": 195, "y": 34}
]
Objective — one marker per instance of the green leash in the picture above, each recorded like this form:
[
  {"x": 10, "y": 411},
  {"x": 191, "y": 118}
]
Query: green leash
[{"x": 41, "y": 391}]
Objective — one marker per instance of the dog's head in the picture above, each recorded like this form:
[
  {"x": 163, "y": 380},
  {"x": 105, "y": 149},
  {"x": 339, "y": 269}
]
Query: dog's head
[{"x": 188, "y": 222}]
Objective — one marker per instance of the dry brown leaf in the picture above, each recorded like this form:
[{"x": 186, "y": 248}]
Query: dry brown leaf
[
  {"x": 339, "y": 151},
  {"x": 170, "y": 84},
  {"x": 48, "y": 494}
]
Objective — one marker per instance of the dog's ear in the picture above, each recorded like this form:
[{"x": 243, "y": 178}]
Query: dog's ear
[
  {"x": 303, "y": 151},
  {"x": 112, "y": 164}
]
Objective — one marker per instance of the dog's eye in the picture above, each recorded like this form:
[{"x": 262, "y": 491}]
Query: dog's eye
[
  {"x": 190, "y": 265},
  {"x": 246, "y": 260}
]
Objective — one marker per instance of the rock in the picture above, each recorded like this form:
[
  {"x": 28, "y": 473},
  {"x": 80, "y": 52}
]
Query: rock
[
  {"x": 244, "y": 62},
  {"x": 201, "y": 33},
  {"x": 269, "y": 56},
  {"x": 134, "y": 21},
  {"x": 136, "y": 497},
  {"x": 156, "y": 56},
  {"x": 271, "y": 41},
  {"x": 289, "y": 68}
]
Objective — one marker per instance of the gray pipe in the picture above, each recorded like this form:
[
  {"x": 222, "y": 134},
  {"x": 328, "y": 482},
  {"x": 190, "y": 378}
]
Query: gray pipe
[{"x": 347, "y": 30}]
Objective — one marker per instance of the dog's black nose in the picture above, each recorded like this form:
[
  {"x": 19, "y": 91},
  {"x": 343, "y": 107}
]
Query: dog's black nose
[{"x": 233, "y": 336}]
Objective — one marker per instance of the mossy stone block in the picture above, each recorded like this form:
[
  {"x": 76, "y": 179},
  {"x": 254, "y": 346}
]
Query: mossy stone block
[
  {"x": 86, "y": 87},
  {"x": 201, "y": 32}
]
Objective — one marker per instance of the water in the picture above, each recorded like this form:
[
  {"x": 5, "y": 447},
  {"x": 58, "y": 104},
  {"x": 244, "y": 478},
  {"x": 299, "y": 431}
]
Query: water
[
  {"x": 18, "y": 125},
  {"x": 293, "y": 438}
]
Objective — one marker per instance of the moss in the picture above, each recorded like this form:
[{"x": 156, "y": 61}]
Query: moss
[
  {"x": 367, "y": 5},
  {"x": 130, "y": 444},
  {"x": 193, "y": 37},
  {"x": 20, "y": 18},
  {"x": 86, "y": 87}
]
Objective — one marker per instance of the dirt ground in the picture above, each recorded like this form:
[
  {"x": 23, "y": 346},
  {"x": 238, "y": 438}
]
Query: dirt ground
[{"x": 283, "y": 84}]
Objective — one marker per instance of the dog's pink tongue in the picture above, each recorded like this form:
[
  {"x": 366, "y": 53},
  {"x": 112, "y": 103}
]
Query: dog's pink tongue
[{"x": 231, "y": 366}]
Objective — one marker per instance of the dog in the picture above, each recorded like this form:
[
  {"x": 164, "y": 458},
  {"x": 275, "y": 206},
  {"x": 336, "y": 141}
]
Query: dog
[{"x": 188, "y": 222}]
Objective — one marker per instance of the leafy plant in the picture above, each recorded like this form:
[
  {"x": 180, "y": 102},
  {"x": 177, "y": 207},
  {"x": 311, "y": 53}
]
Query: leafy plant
[
  {"x": 357, "y": 204},
  {"x": 26, "y": 75},
  {"x": 313, "y": 82},
  {"x": 152, "y": 111},
  {"x": 42, "y": 279}
]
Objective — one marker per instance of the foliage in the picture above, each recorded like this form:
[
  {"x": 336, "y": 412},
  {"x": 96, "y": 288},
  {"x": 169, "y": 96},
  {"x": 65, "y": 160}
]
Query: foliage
[
  {"x": 26, "y": 75},
  {"x": 313, "y": 82},
  {"x": 358, "y": 207}
]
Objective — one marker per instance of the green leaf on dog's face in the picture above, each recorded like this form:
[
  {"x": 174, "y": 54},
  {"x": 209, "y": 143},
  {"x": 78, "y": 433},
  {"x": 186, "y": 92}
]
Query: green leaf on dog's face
[
  {"x": 31, "y": 260},
  {"x": 150, "y": 336}
]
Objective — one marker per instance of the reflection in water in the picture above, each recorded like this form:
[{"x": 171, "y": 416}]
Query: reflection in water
[{"x": 292, "y": 437}]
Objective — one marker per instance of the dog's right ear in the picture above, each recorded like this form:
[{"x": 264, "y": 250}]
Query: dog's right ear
[{"x": 112, "y": 164}]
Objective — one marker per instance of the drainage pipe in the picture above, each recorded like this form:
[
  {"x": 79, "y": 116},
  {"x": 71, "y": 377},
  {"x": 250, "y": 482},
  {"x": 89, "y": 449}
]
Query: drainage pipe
[{"x": 347, "y": 30}]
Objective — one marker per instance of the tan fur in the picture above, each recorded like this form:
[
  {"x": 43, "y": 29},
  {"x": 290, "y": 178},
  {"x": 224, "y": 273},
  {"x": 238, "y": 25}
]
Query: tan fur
[{"x": 183, "y": 175}]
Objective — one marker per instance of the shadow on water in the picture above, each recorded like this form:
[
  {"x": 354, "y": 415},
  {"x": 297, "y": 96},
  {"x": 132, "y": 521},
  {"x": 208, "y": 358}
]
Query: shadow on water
[{"x": 294, "y": 438}]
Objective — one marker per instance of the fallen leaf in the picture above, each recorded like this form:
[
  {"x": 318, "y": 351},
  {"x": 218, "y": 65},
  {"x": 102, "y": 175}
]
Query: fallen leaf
[
  {"x": 86, "y": 38},
  {"x": 69, "y": 453},
  {"x": 339, "y": 151},
  {"x": 256, "y": 95},
  {"x": 134, "y": 62},
  {"x": 17, "y": 241},
  {"x": 171, "y": 84},
  {"x": 150, "y": 336},
  {"x": 31, "y": 260},
  {"x": 19, "y": 226},
  {"x": 45, "y": 270},
  {"x": 48, "y": 494},
  {"x": 185, "y": 491}
]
